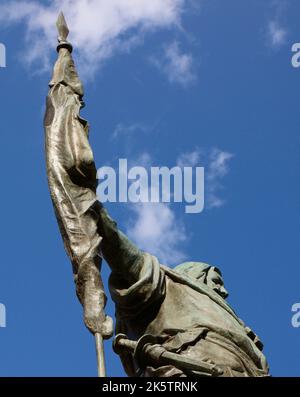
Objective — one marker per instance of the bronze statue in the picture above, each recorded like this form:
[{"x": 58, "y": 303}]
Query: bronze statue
[{"x": 168, "y": 322}]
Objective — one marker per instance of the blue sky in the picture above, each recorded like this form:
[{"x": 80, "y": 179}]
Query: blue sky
[{"x": 208, "y": 80}]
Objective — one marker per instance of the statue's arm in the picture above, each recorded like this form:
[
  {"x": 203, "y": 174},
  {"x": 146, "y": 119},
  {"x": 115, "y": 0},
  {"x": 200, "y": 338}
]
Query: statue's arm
[
  {"x": 137, "y": 282},
  {"x": 120, "y": 253}
]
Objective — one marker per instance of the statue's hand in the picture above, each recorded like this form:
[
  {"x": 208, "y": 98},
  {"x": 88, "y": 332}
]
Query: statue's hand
[
  {"x": 107, "y": 328},
  {"x": 91, "y": 295},
  {"x": 99, "y": 323}
]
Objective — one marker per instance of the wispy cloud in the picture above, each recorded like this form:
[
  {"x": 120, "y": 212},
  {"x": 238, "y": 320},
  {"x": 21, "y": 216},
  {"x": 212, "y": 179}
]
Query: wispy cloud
[
  {"x": 189, "y": 159},
  {"x": 216, "y": 164},
  {"x": 129, "y": 129},
  {"x": 177, "y": 66},
  {"x": 276, "y": 34},
  {"x": 99, "y": 28},
  {"x": 218, "y": 168},
  {"x": 155, "y": 227},
  {"x": 276, "y": 31}
]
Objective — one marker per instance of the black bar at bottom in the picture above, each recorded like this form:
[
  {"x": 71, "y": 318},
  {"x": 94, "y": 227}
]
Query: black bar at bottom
[{"x": 133, "y": 386}]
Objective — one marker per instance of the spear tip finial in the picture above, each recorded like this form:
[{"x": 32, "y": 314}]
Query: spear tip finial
[
  {"x": 63, "y": 33},
  {"x": 62, "y": 27}
]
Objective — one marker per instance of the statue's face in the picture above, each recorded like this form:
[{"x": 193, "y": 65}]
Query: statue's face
[
  {"x": 203, "y": 273},
  {"x": 214, "y": 280}
]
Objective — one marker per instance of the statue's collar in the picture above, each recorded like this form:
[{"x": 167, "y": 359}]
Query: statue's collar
[{"x": 202, "y": 288}]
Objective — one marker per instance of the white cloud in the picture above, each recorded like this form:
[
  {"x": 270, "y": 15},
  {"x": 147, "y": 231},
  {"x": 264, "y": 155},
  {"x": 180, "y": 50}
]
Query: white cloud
[
  {"x": 217, "y": 169},
  {"x": 176, "y": 65},
  {"x": 144, "y": 159},
  {"x": 189, "y": 159},
  {"x": 130, "y": 129},
  {"x": 216, "y": 164},
  {"x": 157, "y": 230},
  {"x": 276, "y": 30},
  {"x": 276, "y": 34},
  {"x": 99, "y": 28},
  {"x": 154, "y": 227}
]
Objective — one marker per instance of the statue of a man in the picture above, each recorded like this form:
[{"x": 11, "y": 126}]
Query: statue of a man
[
  {"x": 182, "y": 311},
  {"x": 184, "y": 307}
]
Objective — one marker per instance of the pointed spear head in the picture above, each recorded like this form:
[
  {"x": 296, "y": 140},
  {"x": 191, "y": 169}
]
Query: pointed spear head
[
  {"x": 62, "y": 27},
  {"x": 63, "y": 33}
]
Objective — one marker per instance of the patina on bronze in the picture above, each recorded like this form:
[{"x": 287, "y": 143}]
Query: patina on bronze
[
  {"x": 72, "y": 180},
  {"x": 170, "y": 322}
]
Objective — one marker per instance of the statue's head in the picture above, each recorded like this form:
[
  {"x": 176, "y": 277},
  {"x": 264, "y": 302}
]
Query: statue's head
[{"x": 204, "y": 273}]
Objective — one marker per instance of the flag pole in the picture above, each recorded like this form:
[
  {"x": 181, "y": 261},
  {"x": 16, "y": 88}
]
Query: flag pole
[
  {"x": 100, "y": 355},
  {"x": 65, "y": 135}
]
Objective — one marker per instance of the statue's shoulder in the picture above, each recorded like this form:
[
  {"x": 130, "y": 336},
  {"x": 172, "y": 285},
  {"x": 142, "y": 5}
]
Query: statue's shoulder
[
  {"x": 188, "y": 271},
  {"x": 184, "y": 275}
]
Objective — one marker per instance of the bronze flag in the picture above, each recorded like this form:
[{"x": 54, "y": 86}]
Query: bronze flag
[{"x": 72, "y": 180}]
